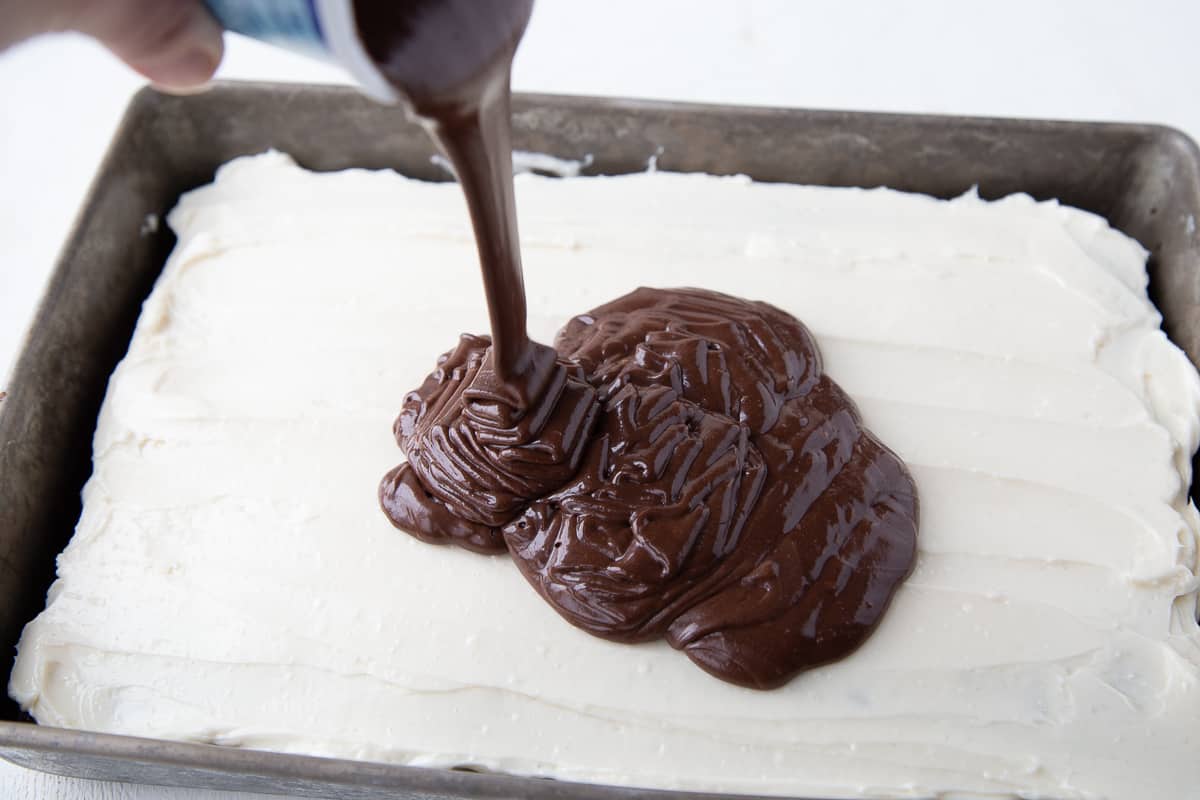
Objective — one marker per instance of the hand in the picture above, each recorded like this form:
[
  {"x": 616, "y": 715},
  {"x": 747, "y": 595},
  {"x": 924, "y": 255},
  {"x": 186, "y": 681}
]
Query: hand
[{"x": 175, "y": 43}]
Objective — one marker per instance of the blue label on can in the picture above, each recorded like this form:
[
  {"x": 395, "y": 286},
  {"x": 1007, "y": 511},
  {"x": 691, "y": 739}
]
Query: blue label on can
[{"x": 293, "y": 24}]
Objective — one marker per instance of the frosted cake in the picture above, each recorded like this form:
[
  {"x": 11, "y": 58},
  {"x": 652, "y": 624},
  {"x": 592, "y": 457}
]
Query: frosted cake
[{"x": 232, "y": 579}]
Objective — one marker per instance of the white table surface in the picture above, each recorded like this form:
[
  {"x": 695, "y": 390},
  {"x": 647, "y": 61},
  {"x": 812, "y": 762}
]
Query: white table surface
[{"x": 61, "y": 97}]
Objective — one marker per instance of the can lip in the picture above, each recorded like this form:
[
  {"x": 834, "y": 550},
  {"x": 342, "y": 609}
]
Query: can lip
[{"x": 340, "y": 32}]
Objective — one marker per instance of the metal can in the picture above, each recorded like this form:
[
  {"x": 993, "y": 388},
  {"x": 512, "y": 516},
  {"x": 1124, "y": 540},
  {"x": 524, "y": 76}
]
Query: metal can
[{"x": 325, "y": 29}]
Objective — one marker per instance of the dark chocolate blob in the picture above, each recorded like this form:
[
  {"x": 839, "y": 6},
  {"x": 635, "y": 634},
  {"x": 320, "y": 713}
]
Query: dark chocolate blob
[
  {"x": 680, "y": 467},
  {"x": 685, "y": 470}
]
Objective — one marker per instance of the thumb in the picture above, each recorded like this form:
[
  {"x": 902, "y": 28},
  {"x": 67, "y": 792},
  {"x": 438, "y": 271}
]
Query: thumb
[{"x": 175, "y": 43}]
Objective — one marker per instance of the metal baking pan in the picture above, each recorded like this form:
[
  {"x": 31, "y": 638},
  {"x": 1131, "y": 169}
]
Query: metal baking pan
[{"x": 1145, "y": 179}]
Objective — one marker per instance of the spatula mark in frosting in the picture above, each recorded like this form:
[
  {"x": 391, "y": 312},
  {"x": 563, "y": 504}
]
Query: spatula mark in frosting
[{"x": 684, "y": 470}]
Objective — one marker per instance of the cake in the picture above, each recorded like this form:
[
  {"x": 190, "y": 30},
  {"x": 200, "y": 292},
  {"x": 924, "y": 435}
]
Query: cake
[{"x": 232, "y": 579}]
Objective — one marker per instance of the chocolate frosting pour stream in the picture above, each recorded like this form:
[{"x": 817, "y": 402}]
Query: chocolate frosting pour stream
[
  {"x": 680, "y": 467},
  {"x": 451, "y": 61}
]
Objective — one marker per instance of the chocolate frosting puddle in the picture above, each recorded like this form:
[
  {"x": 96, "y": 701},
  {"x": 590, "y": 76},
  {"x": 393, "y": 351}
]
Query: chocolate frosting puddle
[{"x": 682, "y": 469}]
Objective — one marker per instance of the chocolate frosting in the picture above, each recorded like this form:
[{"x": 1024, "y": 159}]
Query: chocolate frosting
[
  {"x": 451, "y": 63},
  {"x": 680, "y": 467},
  {"x": 684, "y": 469}
]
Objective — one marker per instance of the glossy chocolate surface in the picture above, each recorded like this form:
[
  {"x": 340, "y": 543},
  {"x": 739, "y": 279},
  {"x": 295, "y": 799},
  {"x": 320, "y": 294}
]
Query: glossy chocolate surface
[
  {"x": 680, "y": 467},
  {"x": 687, "y": 470}
]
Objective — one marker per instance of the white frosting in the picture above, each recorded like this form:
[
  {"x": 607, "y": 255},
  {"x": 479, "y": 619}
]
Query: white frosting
[{"x": 232, "y": 579}]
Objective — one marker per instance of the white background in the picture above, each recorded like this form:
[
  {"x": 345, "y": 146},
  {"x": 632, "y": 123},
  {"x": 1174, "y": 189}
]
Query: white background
[{"x": 61, "y": 97}]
